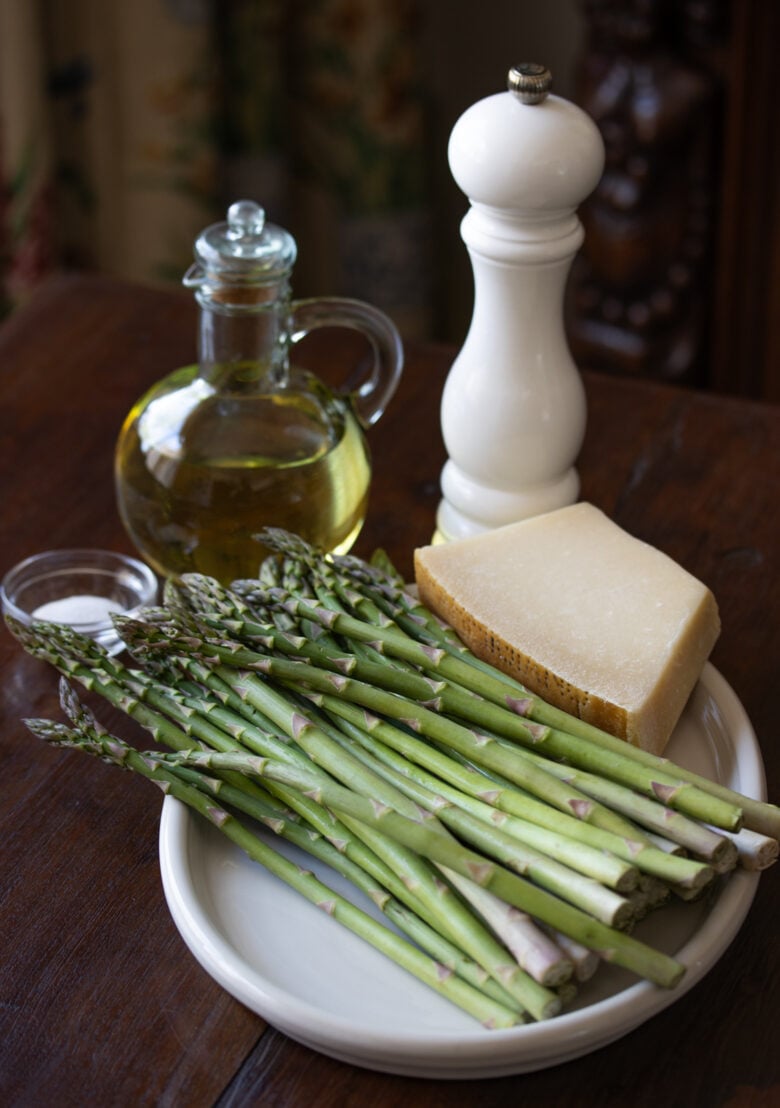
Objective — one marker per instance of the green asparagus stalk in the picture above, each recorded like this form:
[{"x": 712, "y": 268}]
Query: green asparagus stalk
[
  {"x": 603, "y": 867},
  {"x": 531, "y": 947},
  {"x": 177, "y": 737},
  {"x": 405, "y": 610},
  {"x": 756, "y": 852},
  {"x": 757, "y": 815},
  {"x": 633, "y": 850},
  {"x": 715, "y": 848},
  {"x": 493, "y": 713},
  {"x": 585, "y": 961},
  {"x": 340, "y": 859},
  {"x": 490, "y": 1012},
  {"x": 433, "y": 894},
  {"x": 480, "y": 748},
  {"x": 613, "y": 945},
  {"x": 462, "y": 702},
  {"x": 478, "y": 830}
]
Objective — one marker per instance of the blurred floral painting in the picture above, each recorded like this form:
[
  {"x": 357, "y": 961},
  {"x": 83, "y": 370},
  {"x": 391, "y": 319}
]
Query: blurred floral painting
[{"x": 127, "y": 128}]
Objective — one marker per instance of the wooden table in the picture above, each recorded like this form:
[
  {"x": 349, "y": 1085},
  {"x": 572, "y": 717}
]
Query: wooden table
[{"x": 100, "y": 1002}]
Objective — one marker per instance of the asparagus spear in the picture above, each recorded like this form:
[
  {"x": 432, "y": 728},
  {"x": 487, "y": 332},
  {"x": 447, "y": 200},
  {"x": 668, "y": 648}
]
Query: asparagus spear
[
  {"x": 633, "y": 849},
  {"x": 688, "y": 873},
  {"x": 381, "y": 584},
  {"x": 533, "y": 950},
  {"x": 598, "y": 864},
  {"x": 340, "y": 858},
  {"x": 481, "y": 749},
  {"x": 715, "y": 848},
  {"x": 479, "y": 831},
  {"x": 493, "y": 709},
  {"x": 490, "y": 1012},
  {"x": 613, "y": 945},
  {"x": 755, "y": 851},
  {"x": 417, "y": 621},
  {"x": 461, "y": 701},
  {"x": 460, "y": 925}
]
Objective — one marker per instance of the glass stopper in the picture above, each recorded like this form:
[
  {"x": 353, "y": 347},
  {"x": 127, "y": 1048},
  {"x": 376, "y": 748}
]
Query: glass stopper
[
  {"x": 244, "y": 249},
  {"x": 245, "y": 219}
]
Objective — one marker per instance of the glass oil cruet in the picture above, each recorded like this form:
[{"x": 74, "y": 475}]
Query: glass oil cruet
[{"x": 244, "y": 438}]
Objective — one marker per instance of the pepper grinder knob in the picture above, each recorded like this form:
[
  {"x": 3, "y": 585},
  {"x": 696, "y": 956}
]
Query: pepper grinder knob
[
  {"x": 529, "y": 82},
  {"x": 513, "y": 408}
]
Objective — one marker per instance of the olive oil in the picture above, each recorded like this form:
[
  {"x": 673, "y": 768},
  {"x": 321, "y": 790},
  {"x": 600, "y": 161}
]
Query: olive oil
[
  {"x": 200, "y": 472},
  {"x": 245, "y": 439}
]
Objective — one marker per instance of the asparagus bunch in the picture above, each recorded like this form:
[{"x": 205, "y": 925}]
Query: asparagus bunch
[
  {"x": 446, "y": 971},
  {"x": 410, "y": 878},
  {"x": 323, "y": 701},
  {"x": 379, "y": 597}
]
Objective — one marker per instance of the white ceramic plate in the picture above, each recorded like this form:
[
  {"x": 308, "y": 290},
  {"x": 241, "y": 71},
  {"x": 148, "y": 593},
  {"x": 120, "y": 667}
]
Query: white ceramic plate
[{"x": 309, "y": 977}]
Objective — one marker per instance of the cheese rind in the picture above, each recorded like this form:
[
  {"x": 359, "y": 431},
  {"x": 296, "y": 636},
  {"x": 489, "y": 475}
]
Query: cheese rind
[{"x": 583, "y": 614}]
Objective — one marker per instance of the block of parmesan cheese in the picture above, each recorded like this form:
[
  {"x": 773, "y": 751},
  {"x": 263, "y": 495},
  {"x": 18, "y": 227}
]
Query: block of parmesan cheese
[{"x": 585, "y": 615}]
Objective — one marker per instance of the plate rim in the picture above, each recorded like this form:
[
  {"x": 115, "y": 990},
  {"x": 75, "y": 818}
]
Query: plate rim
[{"x": 479, "y": 1053}]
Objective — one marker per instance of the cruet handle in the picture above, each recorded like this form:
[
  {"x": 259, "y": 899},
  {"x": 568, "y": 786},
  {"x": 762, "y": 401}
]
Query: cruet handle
[{"x": 372, "y": 393}]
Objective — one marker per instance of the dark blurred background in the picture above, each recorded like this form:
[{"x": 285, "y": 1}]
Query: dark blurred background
[{"x": 125, "y": 128}]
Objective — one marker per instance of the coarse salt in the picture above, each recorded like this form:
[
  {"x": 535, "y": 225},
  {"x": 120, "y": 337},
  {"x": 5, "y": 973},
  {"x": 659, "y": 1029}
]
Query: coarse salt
[{"x": 76, "y": 610}]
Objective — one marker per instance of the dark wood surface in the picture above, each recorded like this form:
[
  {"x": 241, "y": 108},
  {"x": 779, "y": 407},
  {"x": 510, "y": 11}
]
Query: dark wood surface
[{"x": 100, "y": 1002}]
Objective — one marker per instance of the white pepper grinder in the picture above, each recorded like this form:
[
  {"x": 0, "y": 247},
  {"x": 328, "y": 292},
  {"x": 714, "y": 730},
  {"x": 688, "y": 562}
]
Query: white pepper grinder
[{"x": 513, "y": 409}]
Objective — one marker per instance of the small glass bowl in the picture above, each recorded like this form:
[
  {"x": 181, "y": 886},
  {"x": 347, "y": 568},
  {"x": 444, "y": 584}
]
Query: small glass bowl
[{"x": 80, "y": 588}]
